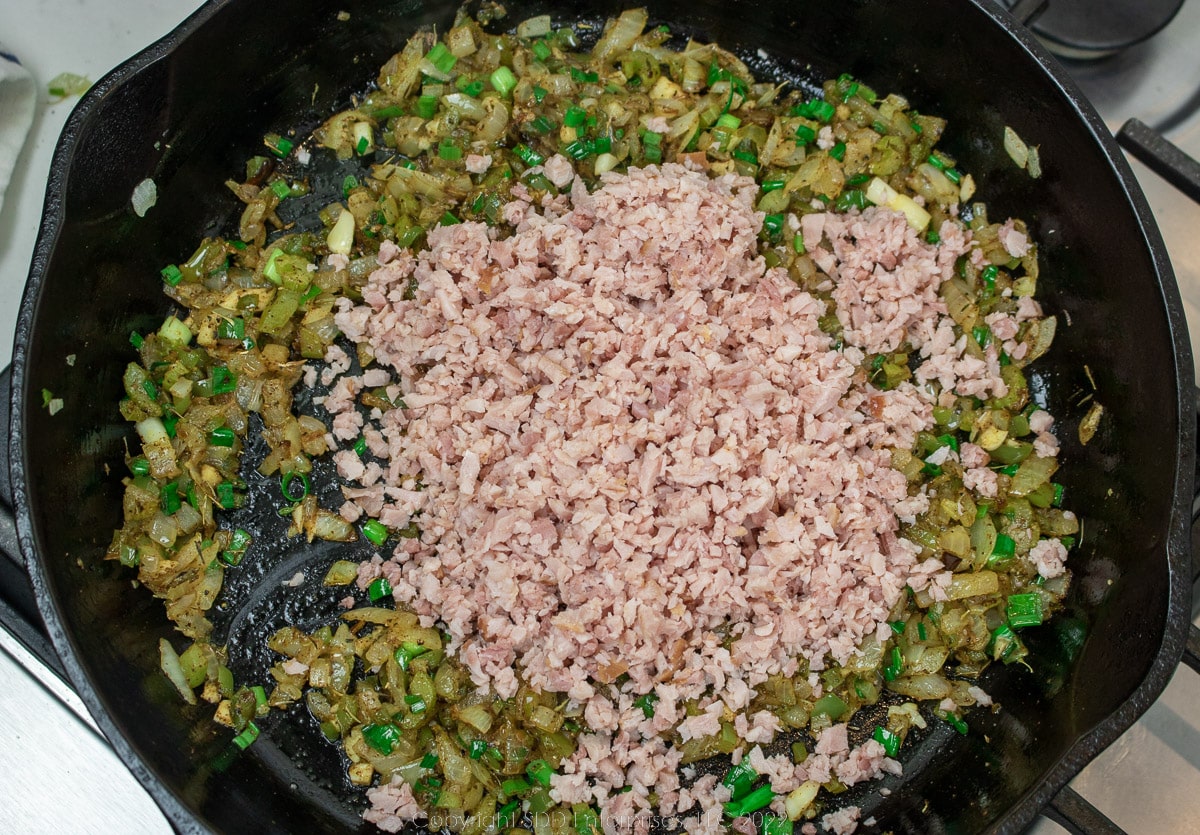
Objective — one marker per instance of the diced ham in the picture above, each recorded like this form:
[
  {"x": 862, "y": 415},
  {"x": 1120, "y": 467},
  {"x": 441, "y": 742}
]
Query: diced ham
[
  {"x": 477, "y": 163},
  {"x": 622, "y": 431},
  {"x": 1048, "y": 556},
  {"x": 1014, "y": 241},
  {"x": 393, "y": 805}
]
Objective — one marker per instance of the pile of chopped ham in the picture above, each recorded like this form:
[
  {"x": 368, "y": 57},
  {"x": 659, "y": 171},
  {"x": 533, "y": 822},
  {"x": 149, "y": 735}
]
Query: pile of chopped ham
[{"x": 626, "y": 441}]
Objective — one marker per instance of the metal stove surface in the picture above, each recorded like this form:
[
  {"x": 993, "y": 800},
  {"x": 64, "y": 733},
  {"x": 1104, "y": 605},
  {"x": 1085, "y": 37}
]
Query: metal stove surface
[{"x": 62, "y": 775}]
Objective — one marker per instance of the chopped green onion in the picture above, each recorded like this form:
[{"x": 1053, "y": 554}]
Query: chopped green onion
[
  {"x": 225, "y": 496},
  {"x": 139, "y": 466},
  {"x": 889, "y": 740},
  {"x": 169, "y": 498},
  {"x": 541, "y": 50},
  {"x": 470, "y": 88},
  {"x": 982, "y": 335},
  {"x": 838, "y": 151},
  {"x": 448, "y": 219},
  {"x": 169, "y": 424},
  {"x": 895, "y": 665},
  {"x": 751, "y": 803},
  {"x": 379, "y": 589},
  {"x": 517, "y": 785},
  {"x": 528, "y": 156},
  {"x": 281, "y": 188},
  {"x": 1024, "y": 610},
  {"x": 315, "y": 290},
  {"x": 415, "y": 703},
  {"x": 805, "y": 134},
  {"x": 1059, "y": 490},
  {"x": 382, "y": 738},
  {"x": 285, "y": 485},
  {"x": 503, "y": 80},
  {"x": 477, "y": 748},
  {"x": 956, "y": 723},
  {"x": 224, "y": 381},
  {"x": 1003, "y": 642},
  {"x": 858, "y": 180},
  {"x": 897, "y": 626},
  {"x": 852, "y": 199},
  {"x": 427, "y": 106},
  {"x": 389, "y": 112},
  {"x": 580, "y": 149},
  {"x": 539, "y": 93},
  {"x": 234, "y": 329},
  {"x": 601, "y": 145},
  {"x": 260, "y": 695},
  {"x": 279, "y": 146},
  {"x": 506, "y": 815},
  {"x": 136, "y": 340},
  {"x": 773, "y": 225},
  {"x": 407, "y": 652},
  {"x": 953, "y": 175},
  {"x": 921, "y": 630},
  {"x": 948, "y": 440},
  {"x": 172, "y": 275},
  {"x": 442, "y": 58},
  {"x": 1005, "y": 546},
  {"x": 349, "y": 184},
  {"x": 584, "y": 77},
  {"x": 798, "y": 243},
  {"x": 933, "y": 237},
  {"x": 746, "y": 156},
  {"x": 429, "y": 760},
  {"x": 542, "y": 125},
  {"x": 375, "y": 531},
  {"x": 1068, "y": 542},
  {"x": 360, "y": 446},
  {"x": 221, "y": 436},
  {"x": 729, "y": 121},
  {"x": 449, "y": 152},
  {"x": 246, "y": 737},
  {"x": 575, "y": 116},
  {"x": 818, "y": 109},
  {"x": 937, "y": 162},
  {"x": 540, "y": 771},
  {"x": 740, "y": 779},
  {"x": 646, "y": 703},
  {"x": 238, "y": 544}
]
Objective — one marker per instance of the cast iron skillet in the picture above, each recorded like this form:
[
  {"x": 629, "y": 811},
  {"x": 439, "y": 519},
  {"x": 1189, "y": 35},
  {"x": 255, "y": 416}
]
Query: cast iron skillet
[{"x": 190, "y": 109}]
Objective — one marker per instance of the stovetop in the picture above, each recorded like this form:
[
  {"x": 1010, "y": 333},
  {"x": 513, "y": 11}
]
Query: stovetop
[{"x": 60, "y": 773}]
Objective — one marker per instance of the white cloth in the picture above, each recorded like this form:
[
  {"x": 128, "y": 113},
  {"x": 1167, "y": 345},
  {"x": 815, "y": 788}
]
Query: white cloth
[{"x": 17, "y": 95}]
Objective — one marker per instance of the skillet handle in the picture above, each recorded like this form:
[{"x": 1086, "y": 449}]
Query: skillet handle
[
  {"x": 1161, "y": 156},
  {"x": 1070, "y": 811}
]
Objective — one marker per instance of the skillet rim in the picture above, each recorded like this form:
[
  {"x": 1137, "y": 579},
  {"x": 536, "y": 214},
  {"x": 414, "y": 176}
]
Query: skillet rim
[{"x": 1087, "y": 746}]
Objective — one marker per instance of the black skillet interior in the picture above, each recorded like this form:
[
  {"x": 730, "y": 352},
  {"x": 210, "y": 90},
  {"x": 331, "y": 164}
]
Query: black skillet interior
[{"x": 190, "y": 110}]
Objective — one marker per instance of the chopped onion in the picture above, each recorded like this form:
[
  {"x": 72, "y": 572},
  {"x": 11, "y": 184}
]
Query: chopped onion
[
  {"x": 1015, "y": 147},
  {"x": 801, "y": 798},
  {"x": 881, "y": 194},
  {"x": 621, "y": 34},
  {"x": 169, "y": 662},
  {"x": 145, "y": 195},
  {"x": 341, "y": 236},
  {"x": 535, "y": 27}
]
